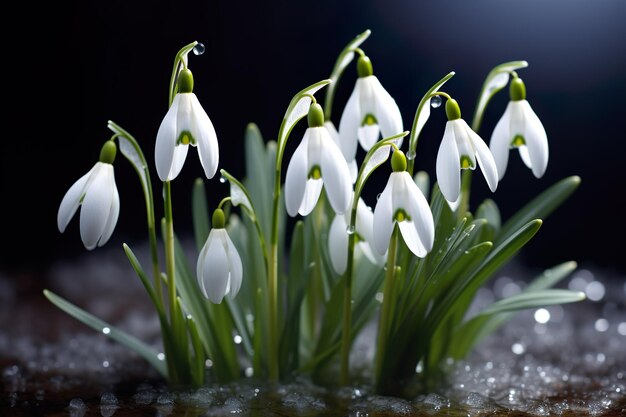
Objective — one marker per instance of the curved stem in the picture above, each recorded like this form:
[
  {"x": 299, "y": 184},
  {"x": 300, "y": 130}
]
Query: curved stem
[
  {"x": 170, "y": 265},
  {"x": 415, "y": 129},
  {"x": 177, "y": 61},
  {"x": 224, "y": 201},
  {"x": 346, "y": 338},
  {"x": 146, "y": 185},
  {"x": 384, "y": 323}
]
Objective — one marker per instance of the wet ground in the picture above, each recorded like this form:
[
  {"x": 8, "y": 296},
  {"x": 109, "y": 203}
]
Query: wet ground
[{"x": 568, "y": 360}]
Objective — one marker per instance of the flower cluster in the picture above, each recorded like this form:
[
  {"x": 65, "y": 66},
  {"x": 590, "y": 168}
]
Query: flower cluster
[{"x": 427, "y": 258}]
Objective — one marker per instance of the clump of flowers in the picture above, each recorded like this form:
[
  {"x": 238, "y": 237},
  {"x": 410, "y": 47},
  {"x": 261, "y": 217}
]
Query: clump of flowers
[{"x": 254, "y": 307}]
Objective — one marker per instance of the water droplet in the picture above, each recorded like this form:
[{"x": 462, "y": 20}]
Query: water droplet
[
  {"x": 199, "y": 49},
  {"x": 161, "y": 356},
  {"x": 435, "y": 102},
  {"x": 350, "y": 230},
  {"x": 222, "y": 179},
  {"x": 378, "y": 196},
  {"x": 237, "y": 339},
  {"x": 410, "y": 155},
  {"x": 106, "y": 330},
  {"x": 208, "y": 363},
  {"x": 379, "y": 297}
]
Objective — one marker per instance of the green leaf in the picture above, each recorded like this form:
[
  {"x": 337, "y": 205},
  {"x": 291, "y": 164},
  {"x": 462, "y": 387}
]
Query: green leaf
[
  {"x": 540, "y": 207},
  {"x": 105, "y": 328},
  {"x": 144, "y": 280},
  {"x": 534, "y": 299},
  {"x": 552, "y": 276}
]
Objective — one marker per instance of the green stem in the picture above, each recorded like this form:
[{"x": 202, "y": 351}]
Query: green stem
[
  {"x": 384, "y": 323},
  {"x": 272, "y": 277},
  {"x": 170, "y": 265},
  {"x": 346, "y": 339},
  {"x": 178, "y": 60}
]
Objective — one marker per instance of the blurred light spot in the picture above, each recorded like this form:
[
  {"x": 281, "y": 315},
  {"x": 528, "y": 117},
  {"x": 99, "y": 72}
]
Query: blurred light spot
[
  {"x": 510, "y": 289},
  {"x": 105, "y": 364},
  {"x": 542, "y": 315},
  {"x": 595, "y": 291},
  {"x": 208, "y": 363},
  {"x": 379, "y": 297},
  {"x": 237, "y": 339},
  {"x": 621, "y": 328},
  {"x": 518, "y": 348},
  {"x": 602, "y": 325},
  {"x": 161, "y": 356},
  {"x": 249, "y": 372},
  {"x": 106, "y": 330}
]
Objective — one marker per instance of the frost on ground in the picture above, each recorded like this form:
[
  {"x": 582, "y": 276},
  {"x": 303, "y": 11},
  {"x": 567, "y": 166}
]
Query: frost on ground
[{"x": 562, "y": 360}]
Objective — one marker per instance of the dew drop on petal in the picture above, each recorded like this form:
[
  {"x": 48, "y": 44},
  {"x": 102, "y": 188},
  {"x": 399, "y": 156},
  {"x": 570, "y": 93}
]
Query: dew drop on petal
[
  {"x": 435, "y": 102},
  {"x": 378, "y": 196},
  {"x": 199, "y": 49},
  {"x": 350, "y": 230}
]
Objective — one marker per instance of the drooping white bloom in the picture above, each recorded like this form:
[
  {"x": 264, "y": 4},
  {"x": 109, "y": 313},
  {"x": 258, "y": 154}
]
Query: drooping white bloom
[
  {"x": 461, "y": 148},
  {"x": 186, "y": 123},
  {"x": 403, "y": 203},
  {"x": 219, "y": 269},
  {"x": 97, "y": 194},
  {"x": 370, "y": 112},
  {"x": 339, "y": 234},
  {"x": 317, "y": 162},
  {"x": 519, "y": 127},
  {"x": 352, "y": 165}
]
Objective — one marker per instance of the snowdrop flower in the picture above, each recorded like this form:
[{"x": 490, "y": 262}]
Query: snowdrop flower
[
  {"x": 186, "y": 123},
  {"x": 403, "y": 203},
  {"x": 317, "y": 162},
  {"x": 519, "y": 127},
  {"x": 461, "y": 148},
  {"x": 338, "y": 237},
  {"x": 370, "y": 111},
  {"x": 97, "y": 193},
  {"x": 219, "y": 269},
  {"x": 354, "y": 169}
]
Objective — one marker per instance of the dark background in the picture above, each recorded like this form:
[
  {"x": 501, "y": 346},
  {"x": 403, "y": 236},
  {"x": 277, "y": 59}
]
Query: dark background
[{"x": 69, "y": 68}]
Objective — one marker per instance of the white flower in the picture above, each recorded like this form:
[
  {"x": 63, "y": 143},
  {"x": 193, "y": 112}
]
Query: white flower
[
  {"x": 317, "y": 162},
  {"x": 402, "y": 202},
  {"x": 354, "y": 169},
  {"x": 186, "y": 123},
  {"x": 219, "y": 268},
  {"x": 519, "y": 127},
  {"x": 97, "y": 193},
  {"x": 461, "y": 148},
  {"x": 338, "y": 237},
  {"x": 370, "y": 111}
]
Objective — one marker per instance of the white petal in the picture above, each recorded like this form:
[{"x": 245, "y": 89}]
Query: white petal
[
  {"x": 354, "y": 171},
  {"x": 214, "y": 275},
  {"x": 235, "y": 266},
  {"x": 113, "y": 214},
  {"x": 536, "y": 141},
  {"x": 206, "y": 138},
  {"x": 336, "y": 174},
  {"x": 448, "y": 165},
  {"x": 387, "y": 112},
  {"x": 411, "y": 238},
  {"x": 296, "y": 177},
  {"x": 96, "y": 205},
  {"x": 523, "y": 153},
  {"x": 71, "y": 201},
  {"x": 500, "y": 142},
  {"x": 312, "y": 191},
  {"x": 463, "y": 142},
  {"x": 485, "y": 159},
  {"x": 338, "y": 244},
  {"x": 349, "y": 124},
  {"x": 364, "y": 227},
  {"x": 383, "y": 218},
  {"x": 166, "y": 141},
  {"x": 180, "y": 154},
  {"x": 368, "y": 136},
  {"x": 184, "y": 114},
  {"x": 421, "y": 216}
]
